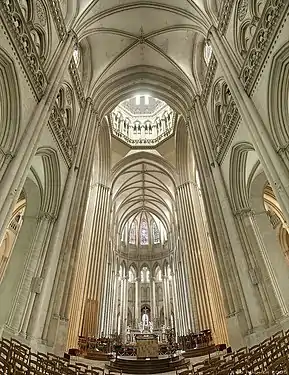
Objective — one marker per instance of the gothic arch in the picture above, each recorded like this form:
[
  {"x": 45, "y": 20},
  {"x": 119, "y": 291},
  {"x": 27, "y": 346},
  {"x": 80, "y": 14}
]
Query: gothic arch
[
  {"x": 40, "y": 28},
  {"x": 22, "y": 246},
  {"x": 199, "y": 66},
  {"x": 52, "y": 180},
  {"x": 278, "y": 98},
  {"x": 9, "y": 104},
  {"x": 220, "y": 99},
  {"x": 237, "y": 175}
]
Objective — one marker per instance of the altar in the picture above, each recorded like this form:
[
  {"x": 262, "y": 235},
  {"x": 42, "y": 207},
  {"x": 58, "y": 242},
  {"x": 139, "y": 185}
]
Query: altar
[{"x": 147, "y": 346}]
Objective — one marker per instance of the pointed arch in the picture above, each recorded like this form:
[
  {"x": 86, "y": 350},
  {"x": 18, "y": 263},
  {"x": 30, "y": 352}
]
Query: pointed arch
[
  {"x": 238, "y": 183},
  {"x": 9, "y": 104},
  {"x": 278, "y": 98},
  {"x": 52, "y": 180}
]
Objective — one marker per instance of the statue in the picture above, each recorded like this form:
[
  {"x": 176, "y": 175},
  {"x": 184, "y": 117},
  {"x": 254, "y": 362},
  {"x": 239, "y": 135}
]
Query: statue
[
  {"x": 151, "y": 327},
  {"x": 145, "y": 319}
]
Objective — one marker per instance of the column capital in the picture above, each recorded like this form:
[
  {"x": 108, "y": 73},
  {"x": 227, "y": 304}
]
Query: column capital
[
  {"x": 46, "y": 216},
  {"x": 210, "y": 33},
  {"x": 246, "y": 211},
  {"x": 72, "y": 34}
]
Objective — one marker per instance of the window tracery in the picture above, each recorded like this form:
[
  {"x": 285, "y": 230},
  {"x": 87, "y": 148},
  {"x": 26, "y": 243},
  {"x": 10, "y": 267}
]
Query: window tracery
[
  {"x": 247, "y": 15},
  {"x": 144, "y": 235},
  {"x": 156, "y": 233},
  {"x": 132, "y": 233}
]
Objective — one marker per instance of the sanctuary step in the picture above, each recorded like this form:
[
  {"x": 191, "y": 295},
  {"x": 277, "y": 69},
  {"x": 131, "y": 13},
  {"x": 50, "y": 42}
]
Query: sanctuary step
[
  {"x": 132, "y": 365},
  {"x": 97, "y": 355},
  {"x": 199, "y": 352}
]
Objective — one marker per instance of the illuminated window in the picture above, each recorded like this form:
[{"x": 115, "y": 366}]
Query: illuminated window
[
  {"x": 137, "y": 100},
  {"x": 145, "y": 275},
  {"x": 132, "y": 233},
  {"x": 207, "y": 53},
  {"x": 76, "y": 56},
  {"x": 156, "y": 233},
  {"x": 131, "y": 275},
  {"x": 144, "y": 238}
]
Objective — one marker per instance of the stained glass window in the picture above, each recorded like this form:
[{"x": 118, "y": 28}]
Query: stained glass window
[
  {"x": 132, "y": 233},
  {"x": 144, "y": 236},
  {"x": 156, "y": 233}
]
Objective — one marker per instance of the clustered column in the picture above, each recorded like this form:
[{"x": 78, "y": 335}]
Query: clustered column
[
  {"x": 96, "y": 261},
  {"x": 198, "y": 293}
]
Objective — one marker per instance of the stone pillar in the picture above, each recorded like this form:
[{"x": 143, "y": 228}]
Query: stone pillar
[
  {"x": 195, "y": 267},
  {"x": 165, "y": 299},
  {"x": 226, "y": 245},
  {"x": 105, "y": 301},
  {"x": 31, "y": 280},
  {"x": 115, "y": 302},
  {"x": 65, "y": 240},
  {"x": 275, "y": 169},
  {"x": 124, "y": 314},
  {"x": 179, "y": 303},
  {"x": 216, "y": 316},
  {"x": 17, "y": 170},
  {"x": 153, "y": 300},
  {"x": 137, "y": 302},
  {"x": 275, "y": 265},
  {"x": 98, "y": 247},
  {"x": 177, "y": 315}
]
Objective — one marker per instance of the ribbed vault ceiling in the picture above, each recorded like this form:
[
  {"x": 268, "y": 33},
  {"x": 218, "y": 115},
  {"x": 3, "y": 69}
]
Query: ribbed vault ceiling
[
  {"x": 124, "y": 35},
  {"x": 140, "y": 46},
  {"x": 143, "y": 186}
]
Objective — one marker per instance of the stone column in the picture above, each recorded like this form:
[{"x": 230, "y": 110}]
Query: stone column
[
  {"x": 98, "y": 247},
  {"x": 179, "y": 303},
  {"x": 153, "y": 300},
  {"x": 275, "y": 170},
  {"x": 194, "y": 266},
  {"x": 124, "y": 314},
  {"x": 31, "y": 280},
  {"x": 105, "y": 301},
  {"x": 177, "y": 315},
  {"x": 137, "y": 302},
  {"x": 66, "y": 240},
  {"x": 115, "y": 302},
  {"x": 217, "y": 312},
  {"x": 165, "y": 299},
  {"x": 226, "y": 243},
  {"x": 17, "y": 170}
]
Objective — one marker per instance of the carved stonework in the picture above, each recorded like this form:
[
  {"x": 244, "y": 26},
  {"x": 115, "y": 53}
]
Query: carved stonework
[
  {"x": 61, "y": 135},
  {"x": 58, "y": 18},
  {"x": 209, "y": 79},
  {"x": 227, "y": 130},
  {"x": 68, "y": 96},
  {"x": 242, "y": 9},
  {"x": 77, "y": 82},
  {"x": 40, "y": 11},
  {"x": 12, "y": 18},
  {"x": 265, "y": 32},
  {"x": 225, "y": 15}
]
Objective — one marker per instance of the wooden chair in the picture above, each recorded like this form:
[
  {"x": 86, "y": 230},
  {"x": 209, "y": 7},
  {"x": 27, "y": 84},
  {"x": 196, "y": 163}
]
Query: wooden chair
[
  {"x": 5, "y": 367},
  {"x": 100, "y": 370}
]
